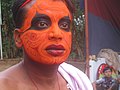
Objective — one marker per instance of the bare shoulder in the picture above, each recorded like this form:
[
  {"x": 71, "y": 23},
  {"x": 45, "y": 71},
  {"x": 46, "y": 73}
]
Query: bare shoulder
[
  {"x": 7, "y": 83},
  {"x": 14, "y": 78},
  {"x": 8, "y": 78}
]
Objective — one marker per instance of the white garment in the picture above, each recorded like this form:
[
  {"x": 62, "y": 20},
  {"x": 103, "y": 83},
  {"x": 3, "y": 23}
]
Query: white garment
[
  {"x": 119, "y": 86},
  {"x": 76, "y": 79}
]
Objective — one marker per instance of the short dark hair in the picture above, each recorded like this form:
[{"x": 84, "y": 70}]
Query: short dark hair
[
  {"x": 107, "y": 68},
  {"x": 18, "y": 13}
]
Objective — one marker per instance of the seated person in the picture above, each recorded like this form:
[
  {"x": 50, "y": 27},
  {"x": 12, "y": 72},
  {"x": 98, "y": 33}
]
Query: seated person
[{"x": 107, "y": 82}]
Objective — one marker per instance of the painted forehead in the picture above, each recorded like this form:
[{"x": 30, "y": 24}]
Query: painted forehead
[
  {"x": 52, "y": 8},
  {"x": 55, "y": 9}
]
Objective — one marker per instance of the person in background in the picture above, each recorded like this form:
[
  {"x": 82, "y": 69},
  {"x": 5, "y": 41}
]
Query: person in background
[
  {"x": 118, "y": 79},
  {"x": 106, "y": 82},
  {"x": 43, "y": 31}
]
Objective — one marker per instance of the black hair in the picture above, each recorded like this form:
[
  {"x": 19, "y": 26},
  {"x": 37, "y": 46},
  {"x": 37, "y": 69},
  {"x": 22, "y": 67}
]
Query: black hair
[
  {"x": 107, "y": 68},
  {"x": 18, "y": 13}
]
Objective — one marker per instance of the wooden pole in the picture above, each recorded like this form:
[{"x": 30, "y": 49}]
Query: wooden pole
[
  {"x": 1, "y": 52},
  {"x": 87, "y": 37}
]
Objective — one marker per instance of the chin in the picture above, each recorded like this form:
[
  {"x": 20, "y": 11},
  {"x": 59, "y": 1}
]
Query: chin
[{"x": 50, "y": 61}]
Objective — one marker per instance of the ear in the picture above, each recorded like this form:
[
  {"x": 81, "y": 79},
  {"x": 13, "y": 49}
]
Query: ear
[{"x": 17, "y": 38}]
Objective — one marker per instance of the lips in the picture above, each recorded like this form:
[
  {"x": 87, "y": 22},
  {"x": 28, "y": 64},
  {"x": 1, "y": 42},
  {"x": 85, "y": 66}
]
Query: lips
[{"x": 55, "y": 50}]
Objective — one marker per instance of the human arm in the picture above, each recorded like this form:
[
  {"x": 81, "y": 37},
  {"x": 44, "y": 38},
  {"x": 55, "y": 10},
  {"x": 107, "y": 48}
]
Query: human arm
[
  {"x": 97, "y": 83},
  {"x": 94, "y": 85}
]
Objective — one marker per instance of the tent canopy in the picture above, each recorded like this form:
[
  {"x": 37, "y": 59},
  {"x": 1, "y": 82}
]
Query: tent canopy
[{"x": 103, "y": 25}]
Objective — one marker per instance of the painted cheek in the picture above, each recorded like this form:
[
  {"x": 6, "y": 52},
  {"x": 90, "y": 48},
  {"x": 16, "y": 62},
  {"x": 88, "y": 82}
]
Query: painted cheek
[
  {"x": 31, "y": 41},
  {"x": 69, "y": 39}
]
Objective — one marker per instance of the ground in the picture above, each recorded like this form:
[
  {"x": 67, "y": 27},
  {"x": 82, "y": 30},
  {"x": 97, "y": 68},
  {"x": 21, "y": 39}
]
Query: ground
[{"x": 6, "y": 63}]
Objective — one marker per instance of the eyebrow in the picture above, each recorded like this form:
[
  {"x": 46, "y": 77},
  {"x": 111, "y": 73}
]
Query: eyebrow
[
  {"x": 67, "y": 18},
  {"x": 41, "y": 16}
]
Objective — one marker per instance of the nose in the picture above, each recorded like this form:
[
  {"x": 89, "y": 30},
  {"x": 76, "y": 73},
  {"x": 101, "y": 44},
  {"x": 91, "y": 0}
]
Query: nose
[{"x": 55, "y": 33}]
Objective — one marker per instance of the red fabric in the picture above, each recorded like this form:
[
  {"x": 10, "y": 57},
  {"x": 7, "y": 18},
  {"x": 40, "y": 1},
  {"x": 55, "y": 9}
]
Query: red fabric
[
  {"x": 107, "y": 9},
  {"x": 100, "y": 69},
  {"x": 27, "y": 1}
]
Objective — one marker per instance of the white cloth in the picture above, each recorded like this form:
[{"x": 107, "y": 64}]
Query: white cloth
[{"x": 76, "y": 79}]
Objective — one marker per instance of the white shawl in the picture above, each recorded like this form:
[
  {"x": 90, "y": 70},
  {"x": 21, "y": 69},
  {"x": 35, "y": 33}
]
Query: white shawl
[{"x": 76, "y": 79}]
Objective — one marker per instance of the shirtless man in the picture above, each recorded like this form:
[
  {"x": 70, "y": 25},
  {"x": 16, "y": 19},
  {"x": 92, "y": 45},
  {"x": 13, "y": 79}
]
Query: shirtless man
[{"x": 43, "y": 31}]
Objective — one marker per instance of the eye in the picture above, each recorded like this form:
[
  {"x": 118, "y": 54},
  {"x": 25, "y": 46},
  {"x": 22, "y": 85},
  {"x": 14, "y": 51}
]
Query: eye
[
  {"x": 41, "y": 24},
  {"x": 64, "y": 25}
]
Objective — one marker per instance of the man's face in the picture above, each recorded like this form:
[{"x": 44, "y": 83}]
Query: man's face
[
  {"x": 46, "y": 31},
  {"x": 108, "y": 73}
]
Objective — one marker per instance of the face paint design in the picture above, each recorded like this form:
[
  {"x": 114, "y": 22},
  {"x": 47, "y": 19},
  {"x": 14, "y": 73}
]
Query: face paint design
[{"x": 46, "y": 31}]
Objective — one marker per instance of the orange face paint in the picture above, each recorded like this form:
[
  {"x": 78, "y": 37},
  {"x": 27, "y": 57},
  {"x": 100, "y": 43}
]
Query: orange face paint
[{"x": 47, "y": 37}]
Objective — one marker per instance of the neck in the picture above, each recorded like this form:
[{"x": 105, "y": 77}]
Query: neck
[{"x": 41, "y": 73}]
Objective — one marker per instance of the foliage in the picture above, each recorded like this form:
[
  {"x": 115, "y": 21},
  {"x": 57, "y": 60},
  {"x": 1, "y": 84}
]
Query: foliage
[
  {"x": 9, "y": 49},
  {"x": 78, "y": 32}
]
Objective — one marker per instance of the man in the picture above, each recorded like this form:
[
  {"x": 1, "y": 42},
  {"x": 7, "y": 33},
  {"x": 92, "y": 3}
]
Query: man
[
  {"x": 106, "y": 82},
  {"x": 43, "y": 30}
]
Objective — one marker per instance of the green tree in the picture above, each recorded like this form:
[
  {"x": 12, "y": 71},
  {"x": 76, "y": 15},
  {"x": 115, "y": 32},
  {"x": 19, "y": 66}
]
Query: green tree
[
  {"x": 78, "y": 32},
  {"x": 9, "y": 49}
]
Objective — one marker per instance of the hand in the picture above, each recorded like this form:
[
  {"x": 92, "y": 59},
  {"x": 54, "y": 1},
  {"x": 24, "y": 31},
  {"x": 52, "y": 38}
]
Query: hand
[{"x": 109, "y": 89}]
